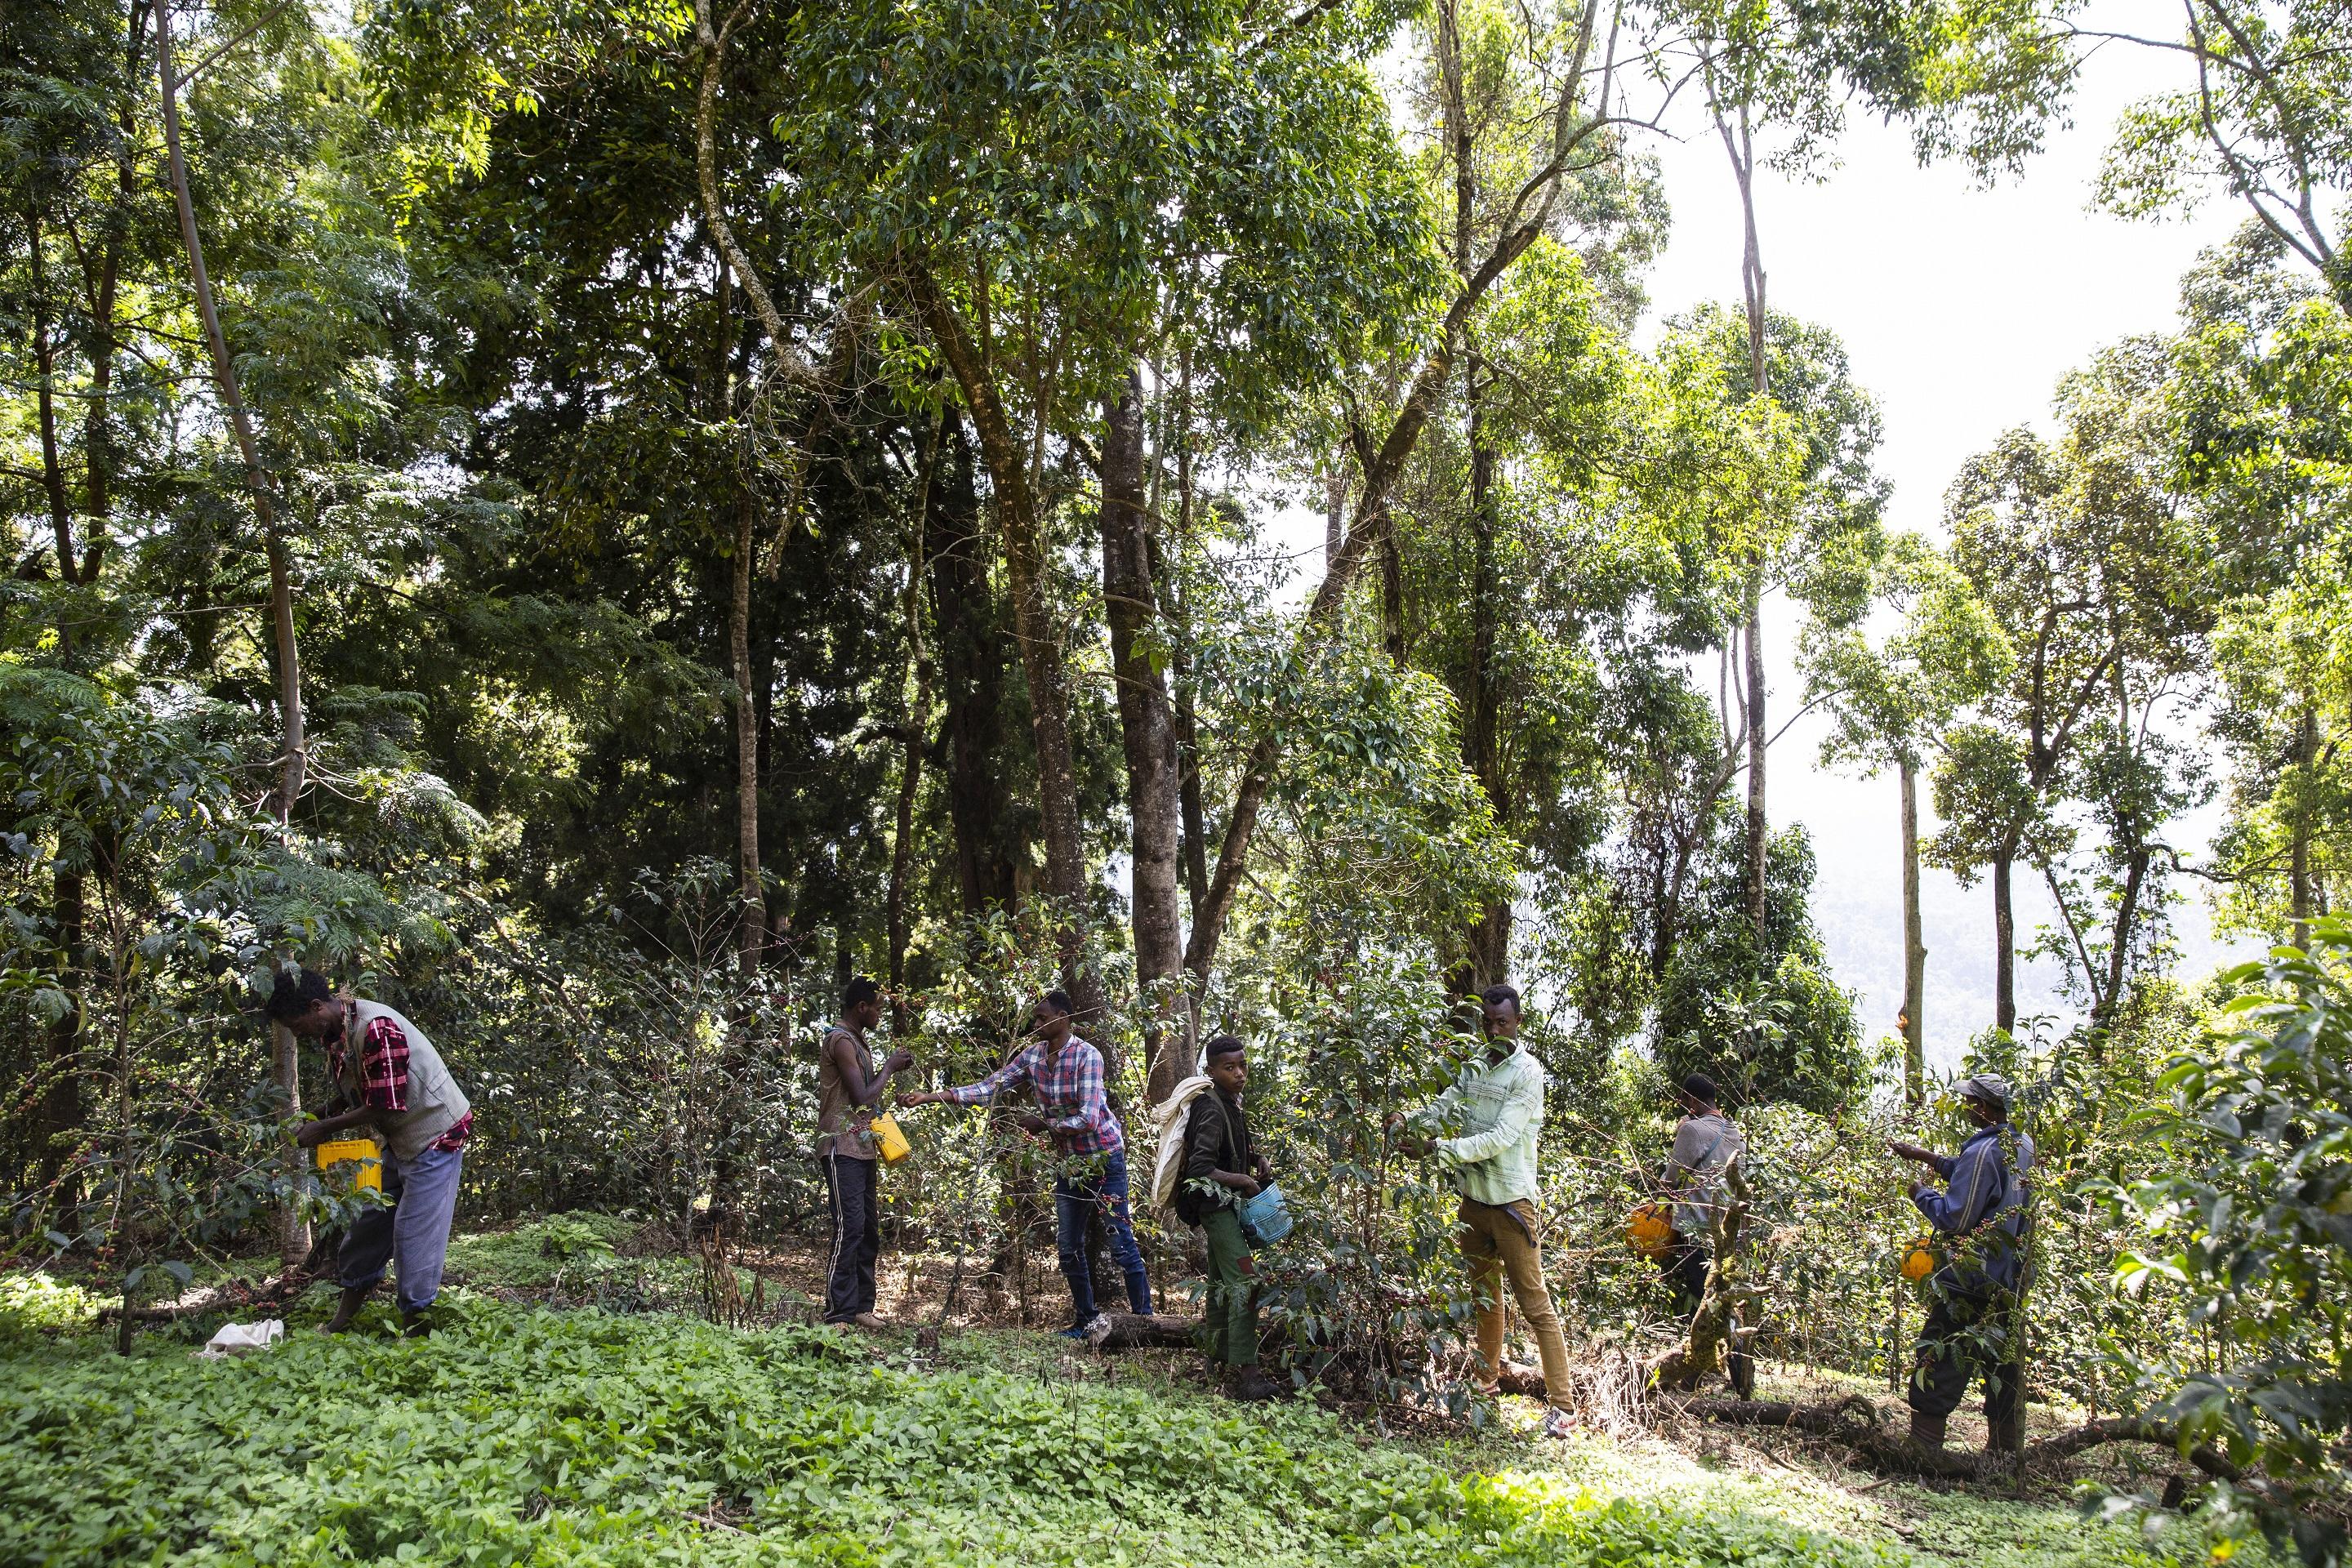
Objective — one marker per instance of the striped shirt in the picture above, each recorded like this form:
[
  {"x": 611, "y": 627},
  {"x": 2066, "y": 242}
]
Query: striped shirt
[{"x": 1069, "y": 1089}]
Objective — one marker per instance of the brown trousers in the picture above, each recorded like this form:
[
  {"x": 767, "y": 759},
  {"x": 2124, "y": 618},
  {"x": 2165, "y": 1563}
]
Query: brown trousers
[{"x": 1499, "y": 1241}]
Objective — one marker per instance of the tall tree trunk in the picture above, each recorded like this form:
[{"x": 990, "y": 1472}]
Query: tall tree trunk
[
  {"x": 1490, "y": 935},
  {"x": 1915, "y": 946},
  {"x": 1153, "y": 791},
  {"x": 99, "y": 453},
  {"x": 2106, "y": 995},
  {"x": 975, "y": 668},
  {"x": 2110, "y": 994},
  {"x": 1740, "y": 145},
  {"x": 2307, "y": 756},
  {"x": 53, "y": 472},
  {"x": 293, "y": 1229},
  {"x": 61, "y": 1108},
  {"x": 2004, "y": 943},
  {"x": 61, "y": 1100},
  {"x": 1335, "y": 509},
  {"x": 916, "y": 683},
  {"x": 1392, "y": 589},
  {"x": 1759, "y": 742},
  {"x": 751, "y": 925},
  {"x": 1040, "y": 630},
  {"x": 1187, "y": 730},
  {"x": 1322, "y": 614}
]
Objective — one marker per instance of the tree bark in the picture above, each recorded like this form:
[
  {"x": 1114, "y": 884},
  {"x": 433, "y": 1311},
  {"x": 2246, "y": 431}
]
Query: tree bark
[
  {"x": 1392, "y": 589},
  {"x": 1335, "y": 511},
  {"x": 1490, "y": 937},
  {"x": 1154, "y": 794},
  {"x": 1915, "y": 946},
  {"x": 256, "y": 476},
  {"x": 1758, "y": 744},
  {"x": 293, "y": 1229},
  {"x": 917, "y": 682},
  {"x": 1855, "y": 1421},
  {"x": 2307, "y": 754},
  {"x": 1740, "y": 145},
  {"x": 751, "y": 925},
  {"x": 61, "y": 1107},
  {"x": 1187, "y": 730},
  {"x": 53, "y": 472},
  {"x": 787, "y": 360},
  {"x": 974, "y": 669},
  {"x": 1715, "y": 1330},
  {"x": 2004, "y": 944},
  {"x": 1039, "y": 629}
]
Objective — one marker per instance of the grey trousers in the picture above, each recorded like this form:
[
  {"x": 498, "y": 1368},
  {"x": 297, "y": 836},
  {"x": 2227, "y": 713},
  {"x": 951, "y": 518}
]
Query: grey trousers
[{"x": 413, "y": 1233}]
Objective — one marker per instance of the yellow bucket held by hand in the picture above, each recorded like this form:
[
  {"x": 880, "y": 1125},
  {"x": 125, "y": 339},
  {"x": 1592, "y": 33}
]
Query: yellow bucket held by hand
[
  {"x": 361, "y": 1151},
  {"x": 889, "y": 1140},
  {"x": 1919, "y": 1261}
]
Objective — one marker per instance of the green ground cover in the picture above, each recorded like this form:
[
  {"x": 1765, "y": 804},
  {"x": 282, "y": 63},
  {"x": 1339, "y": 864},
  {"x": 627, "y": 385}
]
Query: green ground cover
[{"x": 521, "y": 1435}]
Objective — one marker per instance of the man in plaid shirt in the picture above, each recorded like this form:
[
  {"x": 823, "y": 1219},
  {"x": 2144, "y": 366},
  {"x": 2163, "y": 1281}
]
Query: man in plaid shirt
[
  {"x": 1066, "y": 1076},
  {"x": 391, "y": 1086}
]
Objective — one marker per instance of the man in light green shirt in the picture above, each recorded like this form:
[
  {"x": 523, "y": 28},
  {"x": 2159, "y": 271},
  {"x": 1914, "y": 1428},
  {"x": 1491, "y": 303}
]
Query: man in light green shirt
[{"x": 1499, "y": 1100}]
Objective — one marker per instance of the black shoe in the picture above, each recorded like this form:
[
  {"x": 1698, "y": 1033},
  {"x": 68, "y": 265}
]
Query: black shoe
[
  {"x": 355, "y": 1298},
  {"x": 1251, "y": 1384}
]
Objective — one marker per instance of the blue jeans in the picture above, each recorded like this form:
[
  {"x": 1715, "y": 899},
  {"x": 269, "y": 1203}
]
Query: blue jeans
[
  {"x": 413, "y": 1232},
  {"x": 1074, "y": 1200}
]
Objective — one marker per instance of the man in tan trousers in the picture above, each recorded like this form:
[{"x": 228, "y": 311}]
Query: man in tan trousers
[{"x": 1499, "y": 1098}]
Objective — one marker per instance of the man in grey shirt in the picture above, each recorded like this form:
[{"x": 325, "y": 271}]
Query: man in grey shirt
[{"x": 1705, "y": 1142}]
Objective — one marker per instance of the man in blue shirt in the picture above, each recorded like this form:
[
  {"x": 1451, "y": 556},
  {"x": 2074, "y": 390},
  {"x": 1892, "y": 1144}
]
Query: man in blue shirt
[{"x": 1980, "y": 1219}]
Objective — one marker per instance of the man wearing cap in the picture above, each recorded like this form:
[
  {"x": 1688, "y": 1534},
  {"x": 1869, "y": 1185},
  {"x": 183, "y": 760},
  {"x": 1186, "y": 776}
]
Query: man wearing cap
[{"x": 1971, "y": 1323}]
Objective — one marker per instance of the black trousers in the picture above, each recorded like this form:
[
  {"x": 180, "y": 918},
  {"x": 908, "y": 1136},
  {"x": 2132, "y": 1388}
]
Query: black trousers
[
  {"x": 855, "y": 1188},
  {"x": 1685, "y": 1267},
  {"x": 1968, "y": 1337}
]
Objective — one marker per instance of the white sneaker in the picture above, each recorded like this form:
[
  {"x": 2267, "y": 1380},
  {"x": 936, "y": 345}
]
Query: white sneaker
[{"x": 1559, "y": 1422}]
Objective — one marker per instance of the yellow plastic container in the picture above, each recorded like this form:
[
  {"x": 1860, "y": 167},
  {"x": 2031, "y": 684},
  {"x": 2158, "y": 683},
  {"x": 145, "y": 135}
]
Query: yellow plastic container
[
  {"x": 1650, "y": 1230},
  {"x": 889, "y": 1140},
  {"x": 1919, "y": 1262},
  {"x": 364, "y": 1151}
]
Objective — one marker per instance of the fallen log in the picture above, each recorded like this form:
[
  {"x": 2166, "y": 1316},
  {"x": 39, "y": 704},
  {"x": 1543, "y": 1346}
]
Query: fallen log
[
  {"x": 1142, "y": 1330},
  {"x": 1858, "y": 1424},
  {"x": 1527, "y": 1381},
  {"x": 233, "y": 1296}
]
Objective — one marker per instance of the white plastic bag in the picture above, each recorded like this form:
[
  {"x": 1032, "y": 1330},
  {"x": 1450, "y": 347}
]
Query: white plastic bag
[{"x": 243, "y": 1338}]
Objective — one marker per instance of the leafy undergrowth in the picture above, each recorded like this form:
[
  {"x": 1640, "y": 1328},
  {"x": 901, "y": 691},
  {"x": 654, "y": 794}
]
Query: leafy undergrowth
[
  {"x": 32, "y": 1305},
  {"x": 521, "y": 1435},
  {"x": 583, "y": 1260}
]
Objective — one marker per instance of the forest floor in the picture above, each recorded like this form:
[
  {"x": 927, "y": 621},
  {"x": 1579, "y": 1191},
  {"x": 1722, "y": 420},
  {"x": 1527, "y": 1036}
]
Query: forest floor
[{"x": 535, "y": 1427}]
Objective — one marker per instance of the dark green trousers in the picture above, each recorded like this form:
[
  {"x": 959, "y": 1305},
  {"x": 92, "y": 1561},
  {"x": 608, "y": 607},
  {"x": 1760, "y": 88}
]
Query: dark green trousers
[{"x": 1231, "y": 1320}]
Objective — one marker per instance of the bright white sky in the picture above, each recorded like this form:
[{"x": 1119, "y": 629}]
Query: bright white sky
[{"x": 1961, "y": 308}]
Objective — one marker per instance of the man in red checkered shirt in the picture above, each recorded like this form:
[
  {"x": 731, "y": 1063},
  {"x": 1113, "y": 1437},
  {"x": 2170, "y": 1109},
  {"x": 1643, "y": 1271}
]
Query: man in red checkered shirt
[
  {"x": 391, "y": 1086},
  {"x": 1066, "y": 1076}
]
